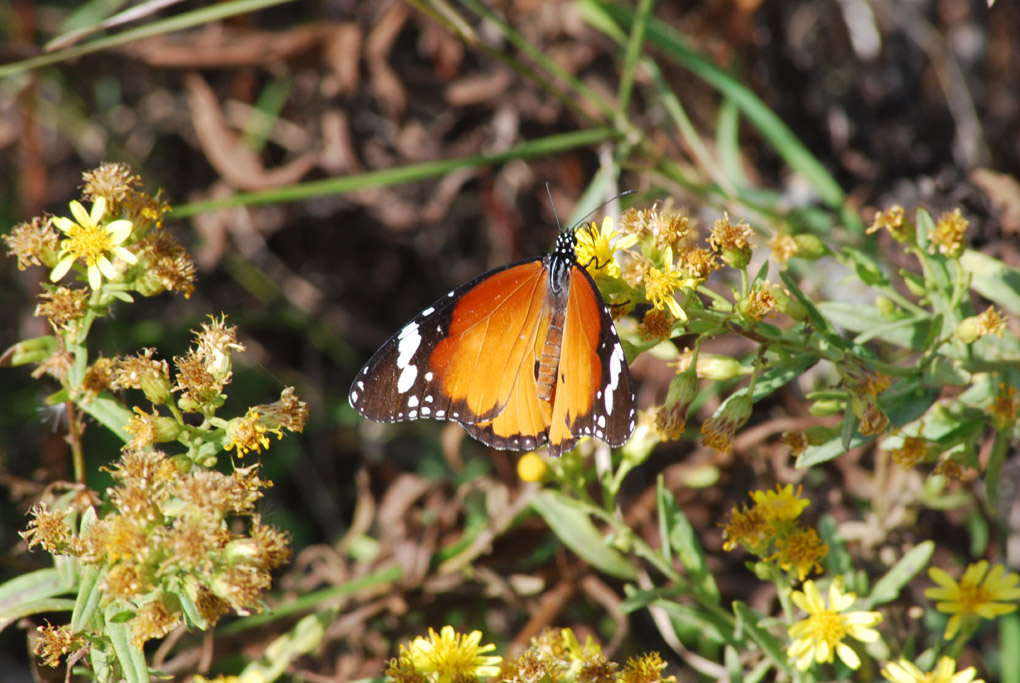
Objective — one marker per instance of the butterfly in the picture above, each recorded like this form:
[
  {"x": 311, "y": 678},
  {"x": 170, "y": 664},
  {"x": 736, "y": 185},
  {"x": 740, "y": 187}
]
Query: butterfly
[{"x": 521, "y": 356}]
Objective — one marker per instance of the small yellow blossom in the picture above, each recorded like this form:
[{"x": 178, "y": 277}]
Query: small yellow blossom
[
  {"x": 531, "y": 467},
  {"x": 948, "y": 234},
  {"x": 892, "y": 219},
  {"x": 248, "y": 434},
  {"x": 55, "y": 642},
  {"x": 820, "y": 637},
  {"x": 781, "y": 505},
  {"x": 979, "y": 594},
  {"x": 645, "y": 669},
  {"x": 912, "y": 451},
  {"x": 747, "y": 527},
  {"x": 974, "y": 327},
  {"x": 800, "y": 550},
  {"x": 660, "y": 286},
  {"x": 92, "y": 242},
  {"x": 448, "y": 657},
  {"x": 1005, "y": 407},
  {"x": 945, "y": 671},
  {"x": 783, "y": 247},
  {"x": 595, "y": 248}
]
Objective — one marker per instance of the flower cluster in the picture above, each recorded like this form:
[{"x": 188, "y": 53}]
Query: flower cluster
[
  {"x": 167, "y": 548},
  {"x": 554, "y": 655},
  {"x": 769, "y": 529}
]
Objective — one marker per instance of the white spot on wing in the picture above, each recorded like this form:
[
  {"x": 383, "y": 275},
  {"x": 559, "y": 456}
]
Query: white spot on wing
[
  {"x": 425, "y": 410},
  {"x": 354, "y": 397},
  {"x": 428, "y": 376},
  {"x": 413, "y": 414},
  {"x": 406, "y": 379},
  {"x": 428, "y": 311},
  {"x": 440, "y": 413},
  {"x": 615, "y": 368},
  {"x": 412, "y": 402},
  {"x": 602, "y": 421},
  {"x": 410, "y": 340}
]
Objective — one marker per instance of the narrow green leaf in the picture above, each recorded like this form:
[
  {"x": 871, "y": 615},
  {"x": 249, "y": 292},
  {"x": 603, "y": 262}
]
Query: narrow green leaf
[
  {"x": 575, "y": 529},
  {"x": 1009, "y": 647},
  {"x": 640, "y": 599},
  {"x": 909, "y": 332},
  {"x": 888, "y": 587},
  {"x": 31, "y": 587},
  {"x": 27, "y": 608},
  {"x": 131, "y": 658},
  {"x": 749, "y": 620},
  {"x": 109, "y": 413},
  {"x": 665, "y": 508},
  {"x": 684, "y": 540},
  {"x": 690, "y": 620},
  {"x": 90, "y": 591}
]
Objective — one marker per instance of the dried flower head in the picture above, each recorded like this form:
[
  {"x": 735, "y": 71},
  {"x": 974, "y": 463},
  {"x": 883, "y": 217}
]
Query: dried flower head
[
  {"x": 657, "y": 325},
  {"x": 144, "y": 372},
  {"x": 671, "y": 418},
  {"x": 99, "y": 376},
  {"x": 913, "y": 451},
  {"x": 948, "y": 234},
  {"x": 49, "y": 529},
  {"x": 62, "y": 305},
  {"x": 749, "y": 528},
  {"x": 797, "y": 441},
  {"x": 216, "y": 341},
  {"x": 167, "y": 266},
  {"x": 972, "y": 328},
  {"x": 34, "y": 243},
  {"x": 718, "y": 431},
  {"x": 55, "y": 642},
  {"x": 671, "y": 228},
  {"x": 760, "y": 302},
  {"x": 731, "y": 240},
  {"x": 699, "y": 262},
  {"x": 111, "y": 181}
]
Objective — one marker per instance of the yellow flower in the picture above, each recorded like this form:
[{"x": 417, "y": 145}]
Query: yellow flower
[
  {"x": 802, "y": 550},
  {"x": 660, "y": 285},
  {"x": 976, "y": 595},
  {"x": 531, "y": 467},
  {"x": 945, "y": 671},
  {"x": 595, "y": 248},
  {"x": 821, "y": 635},
  {"x": 450, "y": 656},
  {"x": 781, "y": 505},
  {"x": 892, "y": 219},
  {"x": 92, "y": 242},
  {"x": 948, "y": 234}
]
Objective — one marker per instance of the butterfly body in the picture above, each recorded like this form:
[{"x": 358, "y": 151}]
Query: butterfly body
[{"x": 521, "y": 356}]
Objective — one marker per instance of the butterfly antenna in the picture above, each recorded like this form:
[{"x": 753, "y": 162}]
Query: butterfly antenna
[
  {"x": 559, "y": 228},
  {"x": 602, "y": 206}
]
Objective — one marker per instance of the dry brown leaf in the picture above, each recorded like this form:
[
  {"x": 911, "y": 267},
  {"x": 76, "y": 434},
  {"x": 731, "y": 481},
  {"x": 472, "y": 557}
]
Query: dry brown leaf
[
  {"x": 238, "y": 165},
  {"x": 1003, "y": 192},
  {"x": 477, "y": 88},
  {"x": 342, "y": 54},
  {"x": 223, "y": 47}
]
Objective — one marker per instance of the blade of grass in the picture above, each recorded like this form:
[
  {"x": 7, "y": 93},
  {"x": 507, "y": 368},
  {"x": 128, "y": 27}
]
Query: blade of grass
[
  {"x": 772, "y": 128},
  {"x": 634, "y": 49},
  {"x": 402, "y": 174},
  {"x": 197, "y": 17}
]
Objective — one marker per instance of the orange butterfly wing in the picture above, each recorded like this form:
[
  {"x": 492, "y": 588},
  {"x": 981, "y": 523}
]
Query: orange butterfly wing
[{"x": 521, "y": 356}]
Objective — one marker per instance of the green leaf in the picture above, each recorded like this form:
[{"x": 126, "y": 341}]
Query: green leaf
[
  {"x": 749, "y": 620},
  {"x": 838, "y": 561},
  {"x": 26, "y": 608},
  {"x": 109, "y": 413},
  {"x": 90, "y": 591},
  {"x": 870, "y": 323},
  {"x": 993, "y": 279},
  {"x": 684, "y": 540},
  {"x": 574, "y": 528},
  {"x": 865, "y": 265},
  {"x": 888, "y": 587},
  {"x": 665, "y": 508},
  {"x": 640, "y": 599},
  {"x": 820, "y": 322},
  {"x": 131, "y": 658},
  {"x": 28, "y": 589}
]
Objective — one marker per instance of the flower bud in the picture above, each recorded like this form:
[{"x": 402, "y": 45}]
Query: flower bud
[{"x": 810, "y": 247}]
